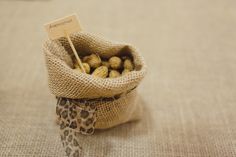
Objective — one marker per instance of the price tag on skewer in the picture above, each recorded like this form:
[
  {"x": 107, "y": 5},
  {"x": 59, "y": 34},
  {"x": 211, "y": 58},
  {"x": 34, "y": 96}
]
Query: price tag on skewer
[{"x": 63, "y": 27}]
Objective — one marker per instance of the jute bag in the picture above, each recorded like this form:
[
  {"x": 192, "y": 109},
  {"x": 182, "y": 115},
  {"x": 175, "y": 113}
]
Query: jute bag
[{"x": 85, "y": 102}]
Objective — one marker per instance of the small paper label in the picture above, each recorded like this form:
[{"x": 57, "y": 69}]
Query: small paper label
[{"x": 60, "y": 27}]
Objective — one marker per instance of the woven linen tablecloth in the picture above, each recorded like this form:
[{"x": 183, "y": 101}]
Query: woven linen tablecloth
[{"x": 189, "y": 93}]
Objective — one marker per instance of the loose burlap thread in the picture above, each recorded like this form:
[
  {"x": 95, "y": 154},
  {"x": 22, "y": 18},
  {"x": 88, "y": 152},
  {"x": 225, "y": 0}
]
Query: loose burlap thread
[{"x": 65, "y": 82}]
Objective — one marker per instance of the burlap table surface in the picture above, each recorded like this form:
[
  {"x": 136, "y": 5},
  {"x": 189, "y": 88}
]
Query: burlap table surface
[{"x": 189, "y": 93}]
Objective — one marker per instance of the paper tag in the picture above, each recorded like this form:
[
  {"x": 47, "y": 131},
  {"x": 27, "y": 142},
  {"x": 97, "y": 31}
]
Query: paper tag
[{"x": 60, "y": 27}]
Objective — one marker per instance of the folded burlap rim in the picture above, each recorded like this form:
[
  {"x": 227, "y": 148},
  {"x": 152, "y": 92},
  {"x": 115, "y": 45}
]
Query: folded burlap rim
[{"x": 65, "y": 82}]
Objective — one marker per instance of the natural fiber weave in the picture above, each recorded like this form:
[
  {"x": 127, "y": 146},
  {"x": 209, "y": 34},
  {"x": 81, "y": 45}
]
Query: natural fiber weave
[
  {"x": 189, "y": 93},
  {"x": 64, "y": 82}
]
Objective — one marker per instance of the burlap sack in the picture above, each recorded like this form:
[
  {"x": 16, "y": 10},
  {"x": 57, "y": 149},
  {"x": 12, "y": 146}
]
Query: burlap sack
[
  {"x": 66, "y": 83},
  {"x": 86, "y": 102}
]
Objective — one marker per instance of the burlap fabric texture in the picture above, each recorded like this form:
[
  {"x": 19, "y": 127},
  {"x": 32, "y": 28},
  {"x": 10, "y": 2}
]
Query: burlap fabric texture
[{"x": 65, "y": 82}]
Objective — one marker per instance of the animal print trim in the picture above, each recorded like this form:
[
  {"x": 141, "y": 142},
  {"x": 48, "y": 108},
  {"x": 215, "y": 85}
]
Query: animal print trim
[{"x": 75, "y": 118}]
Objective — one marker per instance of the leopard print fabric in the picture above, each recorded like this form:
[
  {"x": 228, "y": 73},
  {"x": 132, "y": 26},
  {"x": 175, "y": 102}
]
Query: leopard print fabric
[{"x": 76, "y": 117}]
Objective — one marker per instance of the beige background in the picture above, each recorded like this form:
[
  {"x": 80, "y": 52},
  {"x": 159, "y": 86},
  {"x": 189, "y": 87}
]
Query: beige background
[{"x": 189, "y": 93}]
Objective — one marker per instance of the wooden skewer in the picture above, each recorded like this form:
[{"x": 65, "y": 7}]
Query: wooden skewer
[{"x": 75, "y": 52}]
